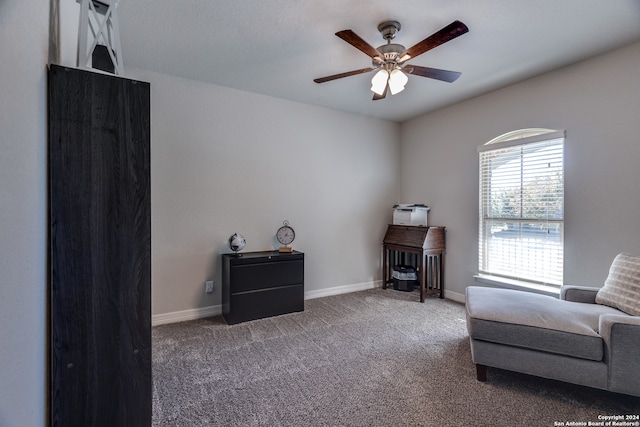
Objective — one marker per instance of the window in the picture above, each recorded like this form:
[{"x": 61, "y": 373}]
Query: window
[{"x": 522, "y": 206}]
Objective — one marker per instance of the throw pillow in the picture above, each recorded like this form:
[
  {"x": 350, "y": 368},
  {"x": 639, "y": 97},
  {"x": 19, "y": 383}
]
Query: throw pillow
[{"x": 621, "y": 290}]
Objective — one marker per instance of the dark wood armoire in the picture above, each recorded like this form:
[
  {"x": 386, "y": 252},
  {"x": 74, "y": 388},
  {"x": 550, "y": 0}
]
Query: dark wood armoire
[{"x": 100, "y": 249}]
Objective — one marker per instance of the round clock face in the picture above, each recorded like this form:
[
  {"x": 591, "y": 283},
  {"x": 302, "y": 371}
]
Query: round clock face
[{"x": 285, "y": 234}]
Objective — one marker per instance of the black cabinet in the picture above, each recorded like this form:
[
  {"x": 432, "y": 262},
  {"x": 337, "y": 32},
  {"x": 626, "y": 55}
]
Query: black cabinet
[
  {"x": 261, "y": 284},
  {"x": 100, "y": 249}
]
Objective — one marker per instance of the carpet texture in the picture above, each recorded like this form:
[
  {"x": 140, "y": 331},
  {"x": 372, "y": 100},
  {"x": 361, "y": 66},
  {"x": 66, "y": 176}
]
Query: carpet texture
[{"x": 370, "y": 358}]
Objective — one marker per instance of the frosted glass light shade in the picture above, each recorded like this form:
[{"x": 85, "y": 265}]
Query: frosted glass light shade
[
  {"x": 397, "y": 81},
  {"x": 379, "y": 82}
]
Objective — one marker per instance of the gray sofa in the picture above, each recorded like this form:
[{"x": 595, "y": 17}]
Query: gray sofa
[{"x": 589, "y": 336}]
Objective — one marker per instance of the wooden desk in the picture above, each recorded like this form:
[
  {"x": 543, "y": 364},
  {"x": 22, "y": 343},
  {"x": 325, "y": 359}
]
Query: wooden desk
[{"x": 423, "y": 247}]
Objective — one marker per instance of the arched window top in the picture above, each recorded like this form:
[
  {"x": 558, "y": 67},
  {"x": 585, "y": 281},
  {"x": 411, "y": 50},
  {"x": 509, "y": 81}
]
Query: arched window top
[{"x": 519, "y": 134}]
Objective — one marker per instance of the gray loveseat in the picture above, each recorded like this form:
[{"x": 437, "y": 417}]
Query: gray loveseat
[{"x": 589, "y": 336}]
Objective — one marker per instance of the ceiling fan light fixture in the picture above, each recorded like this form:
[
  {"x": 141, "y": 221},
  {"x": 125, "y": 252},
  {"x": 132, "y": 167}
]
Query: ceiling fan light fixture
[
  {"x": 379, "y": 82},
  {"x": 397, "y": 81}
]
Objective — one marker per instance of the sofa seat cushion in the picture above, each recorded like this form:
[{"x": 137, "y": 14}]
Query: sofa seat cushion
[{"x": 535, "y": 321}]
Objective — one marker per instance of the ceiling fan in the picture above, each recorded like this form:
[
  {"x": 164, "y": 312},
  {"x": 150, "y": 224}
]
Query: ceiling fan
[{"x": 391, "y": 59}]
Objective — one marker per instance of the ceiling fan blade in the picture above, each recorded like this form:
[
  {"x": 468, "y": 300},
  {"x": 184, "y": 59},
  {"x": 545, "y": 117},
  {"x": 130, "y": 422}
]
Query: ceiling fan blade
[
  {"x": 341, "y": 75},
  {"x": 450, "y": 32},
  {"x": 432, "y": 73},
  {"x": 384, "y": 94},
  {"x": 356, "y": 41}
]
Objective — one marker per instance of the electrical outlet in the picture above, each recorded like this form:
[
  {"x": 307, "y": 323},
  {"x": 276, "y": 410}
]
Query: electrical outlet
[{"x": 209, "y": 286}]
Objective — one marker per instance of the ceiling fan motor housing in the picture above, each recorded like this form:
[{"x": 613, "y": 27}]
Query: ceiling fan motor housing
[
  {"x": 391, "y": 50},
  {"x": 390, "y": 53}
]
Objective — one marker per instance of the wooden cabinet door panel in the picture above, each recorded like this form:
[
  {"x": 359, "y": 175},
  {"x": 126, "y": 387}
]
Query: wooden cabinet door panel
[{"x": 99, "y": 134}]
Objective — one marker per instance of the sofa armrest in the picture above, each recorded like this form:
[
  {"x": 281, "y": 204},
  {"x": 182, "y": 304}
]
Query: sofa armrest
[
  {"x": 574, "y": 293},
  {"x": 621, "y": 335}
]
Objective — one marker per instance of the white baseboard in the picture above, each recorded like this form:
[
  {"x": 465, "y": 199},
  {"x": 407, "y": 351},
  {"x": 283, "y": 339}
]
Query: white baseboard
[
  {"x": 454, "y": 296},
  {"x": 345, "y": 289},
  {"x": 216, "y": 310},
  {"x": 184, "y": 315}
]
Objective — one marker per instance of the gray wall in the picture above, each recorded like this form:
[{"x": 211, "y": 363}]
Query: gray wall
[
  {"x": 225, "y": 161},
  {"x": 597, "y": 102},
  {"x": 23, "y": 212}
]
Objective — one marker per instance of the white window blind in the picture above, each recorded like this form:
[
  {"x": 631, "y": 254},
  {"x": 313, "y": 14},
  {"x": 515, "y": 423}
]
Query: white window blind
[{"x": 522, "y": 208}]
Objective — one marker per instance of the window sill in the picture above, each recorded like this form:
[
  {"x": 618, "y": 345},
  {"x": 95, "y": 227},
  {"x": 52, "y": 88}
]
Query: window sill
[{"x": 503, "y": 282}]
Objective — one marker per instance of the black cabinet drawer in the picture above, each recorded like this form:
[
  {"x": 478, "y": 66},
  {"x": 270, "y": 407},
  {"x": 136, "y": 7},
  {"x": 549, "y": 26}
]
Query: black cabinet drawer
[
  {"x": 266, "y": 275},
  {"x": 265, "y": 303}
]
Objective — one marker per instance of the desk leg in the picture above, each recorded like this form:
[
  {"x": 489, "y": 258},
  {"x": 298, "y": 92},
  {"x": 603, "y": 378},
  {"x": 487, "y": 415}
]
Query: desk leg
[
  {"x": 442, "y": 275},
  {"x": 385, "y": 272},
  {"x": 423, "y": 276}
]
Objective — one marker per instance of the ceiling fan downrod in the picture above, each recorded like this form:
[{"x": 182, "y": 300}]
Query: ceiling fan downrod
[{"x": 390, "y": 51}]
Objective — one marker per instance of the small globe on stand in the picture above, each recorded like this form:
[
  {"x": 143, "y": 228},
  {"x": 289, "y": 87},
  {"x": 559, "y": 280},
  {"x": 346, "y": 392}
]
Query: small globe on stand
[{"x": 237, "y": 242}]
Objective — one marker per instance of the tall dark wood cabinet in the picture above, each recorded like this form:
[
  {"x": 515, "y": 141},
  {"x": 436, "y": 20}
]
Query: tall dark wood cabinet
[{"x": 100, "y": 249}]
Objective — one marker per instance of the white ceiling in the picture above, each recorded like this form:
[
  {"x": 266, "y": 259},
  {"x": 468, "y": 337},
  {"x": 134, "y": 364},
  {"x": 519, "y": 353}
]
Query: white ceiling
[{"x": 277, "y": 47}]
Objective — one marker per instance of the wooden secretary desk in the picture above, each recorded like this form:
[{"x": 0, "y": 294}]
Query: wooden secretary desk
[{"x": 423, "y": 247}]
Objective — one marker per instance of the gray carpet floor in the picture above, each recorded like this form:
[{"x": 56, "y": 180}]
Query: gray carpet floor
[{"x": 370, "y": 358}]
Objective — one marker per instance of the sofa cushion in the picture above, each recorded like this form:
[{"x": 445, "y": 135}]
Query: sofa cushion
[
  {"x": 622, "y": 287},
  {"x": 535, "y": 321}
]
